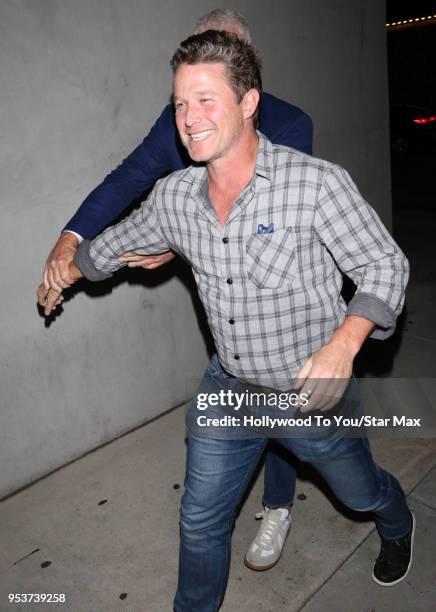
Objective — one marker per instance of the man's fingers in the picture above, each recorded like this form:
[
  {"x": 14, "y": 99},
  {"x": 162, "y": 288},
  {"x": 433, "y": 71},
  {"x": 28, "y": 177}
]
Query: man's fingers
[
  {"x": 134, "y": 257},
  {"x": 51, "y": 301},
  {"x": 55, "y": 282},
  {"x": 48, "y": 298},
  {"x": 146, "y": 265},
  {"x": 316, "y": 390},
  {"x": 334, "y": 394},
  {"x": 143, "y": 263},
  {"x": 54, "y": 278},
  {"x": 149, "y": 262},
  {"x": 41, "y": 294},
  {"x": 64, "y": 276},
  {"x": 61, "y": 275},
  {"x": 45, "y": 278},
  {"x": 312, "y": 395},
  {"x": 322, "y": 393},
  {"x": 299, "y": 381},
  {"x": 58, "y": 274}
]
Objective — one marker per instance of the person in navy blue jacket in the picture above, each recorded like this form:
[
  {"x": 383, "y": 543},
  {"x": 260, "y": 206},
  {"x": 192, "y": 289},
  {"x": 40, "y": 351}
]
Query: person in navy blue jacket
[{"x": 160, "y": 153}]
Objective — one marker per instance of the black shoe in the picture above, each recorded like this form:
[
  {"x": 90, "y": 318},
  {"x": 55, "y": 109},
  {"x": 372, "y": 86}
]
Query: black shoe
[{"x": 395, "y": 559}]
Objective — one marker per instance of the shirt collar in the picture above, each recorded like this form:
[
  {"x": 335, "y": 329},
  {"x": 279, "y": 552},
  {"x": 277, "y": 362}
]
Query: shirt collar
[{"x": 264, "y": 165}]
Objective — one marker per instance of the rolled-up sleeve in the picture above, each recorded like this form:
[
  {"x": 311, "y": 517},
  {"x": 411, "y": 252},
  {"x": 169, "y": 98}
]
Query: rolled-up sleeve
[
  {"x": 363, "y": 249},
  {"x": 140, "y": 232}
]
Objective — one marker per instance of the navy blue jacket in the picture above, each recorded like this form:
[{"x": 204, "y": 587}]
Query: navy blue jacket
[{"x": 161, "y": 152}]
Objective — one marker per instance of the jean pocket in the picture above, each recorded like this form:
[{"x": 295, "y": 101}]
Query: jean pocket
[{"x": 271, "y": 259}]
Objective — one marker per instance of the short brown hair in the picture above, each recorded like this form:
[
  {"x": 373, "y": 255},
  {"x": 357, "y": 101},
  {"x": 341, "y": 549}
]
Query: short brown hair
[{"x": 242, "y": 62}]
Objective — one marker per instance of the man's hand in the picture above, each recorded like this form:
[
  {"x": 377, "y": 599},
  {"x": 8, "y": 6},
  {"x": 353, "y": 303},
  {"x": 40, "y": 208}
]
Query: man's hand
[
  {"x": 149, "y": 262},
  {"x": 51, "y": 298},
  {"x": 57, "y": 271},
  {"x": 324, "y": 377}
]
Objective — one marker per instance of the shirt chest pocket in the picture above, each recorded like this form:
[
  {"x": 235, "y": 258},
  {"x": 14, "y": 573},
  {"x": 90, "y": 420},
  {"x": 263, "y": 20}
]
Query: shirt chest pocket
[{"x": 271, "y": 259}]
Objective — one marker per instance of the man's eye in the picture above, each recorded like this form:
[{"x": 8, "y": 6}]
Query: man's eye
[
  {"x": 205, "y": 100},
  {"x": 178, "y": 105}
]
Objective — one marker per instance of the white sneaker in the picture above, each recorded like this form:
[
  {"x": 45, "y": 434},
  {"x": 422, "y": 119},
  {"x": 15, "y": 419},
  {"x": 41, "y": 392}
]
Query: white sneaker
[{"x": 267, "y": 546}]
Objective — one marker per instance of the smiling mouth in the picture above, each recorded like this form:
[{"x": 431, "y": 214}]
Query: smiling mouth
[{"x": 200, "y": 135}]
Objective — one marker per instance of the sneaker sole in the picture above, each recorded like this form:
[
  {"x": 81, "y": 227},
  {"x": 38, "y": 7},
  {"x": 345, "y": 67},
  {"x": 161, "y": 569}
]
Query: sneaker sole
[
  {"x": 260, "y": 568},
  {"x": 264, "y": 568},
  {"x": 388, "y": 584}
]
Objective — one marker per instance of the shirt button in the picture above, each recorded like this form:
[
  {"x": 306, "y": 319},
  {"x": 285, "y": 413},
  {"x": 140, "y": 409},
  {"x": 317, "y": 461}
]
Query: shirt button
[
  {"x": 225, "y": 240},
  {"x": 229, "y": 281},
  {"x": 231, "y": 321},
  {"x": 236, "y": 357}
]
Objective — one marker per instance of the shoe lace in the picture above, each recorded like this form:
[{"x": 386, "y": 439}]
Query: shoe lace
[{"x": 268, "y": 529}]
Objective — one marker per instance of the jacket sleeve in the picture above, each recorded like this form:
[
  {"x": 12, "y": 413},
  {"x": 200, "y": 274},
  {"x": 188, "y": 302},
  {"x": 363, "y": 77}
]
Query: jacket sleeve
[
  {"x": 139, "y": 171},
  {"x": 140, "y": 232},
  {"x": 363, "y": 249}
]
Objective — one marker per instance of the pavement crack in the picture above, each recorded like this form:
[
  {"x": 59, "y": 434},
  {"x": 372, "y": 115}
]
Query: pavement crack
[{"x": 420, "y": 501}]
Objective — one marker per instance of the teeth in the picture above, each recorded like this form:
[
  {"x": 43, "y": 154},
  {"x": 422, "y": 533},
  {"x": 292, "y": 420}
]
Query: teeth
[{"x": 201, "y": 135}]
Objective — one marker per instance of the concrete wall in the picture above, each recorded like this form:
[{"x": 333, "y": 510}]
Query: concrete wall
[{"x": 81, "y": 82}]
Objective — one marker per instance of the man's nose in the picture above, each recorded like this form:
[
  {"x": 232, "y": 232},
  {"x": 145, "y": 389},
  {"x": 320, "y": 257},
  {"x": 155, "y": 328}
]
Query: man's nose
[{"x": 191, "y": 117}]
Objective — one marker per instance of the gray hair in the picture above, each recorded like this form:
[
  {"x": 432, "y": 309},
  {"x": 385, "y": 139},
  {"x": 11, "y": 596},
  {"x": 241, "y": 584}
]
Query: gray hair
[{"x": 219, "y": 19}]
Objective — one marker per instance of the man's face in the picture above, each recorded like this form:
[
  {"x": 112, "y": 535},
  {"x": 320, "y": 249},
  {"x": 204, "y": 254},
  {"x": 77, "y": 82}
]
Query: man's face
[{"x": 208, "y": 117}]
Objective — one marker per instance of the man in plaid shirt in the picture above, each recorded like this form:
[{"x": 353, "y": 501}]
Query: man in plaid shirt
[{"x": 267, "y": 231}]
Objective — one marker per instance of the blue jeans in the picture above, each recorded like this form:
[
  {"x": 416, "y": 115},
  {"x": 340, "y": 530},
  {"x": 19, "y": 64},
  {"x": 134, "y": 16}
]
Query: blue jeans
[
  {"x": 217, "y": 473},
  {"x": 279, "y": 478}
]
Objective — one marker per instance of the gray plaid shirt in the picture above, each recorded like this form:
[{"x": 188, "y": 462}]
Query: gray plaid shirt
[{"x": 270, "y": 278}]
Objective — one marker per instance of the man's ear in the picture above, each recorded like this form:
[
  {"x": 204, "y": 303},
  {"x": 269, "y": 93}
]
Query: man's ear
[{"x": 250, "y": 102}]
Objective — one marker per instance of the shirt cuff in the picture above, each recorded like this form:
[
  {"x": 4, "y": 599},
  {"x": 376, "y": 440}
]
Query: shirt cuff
[
  {"x": 373, "y": 308},
  {"x": 78, "y": 236},
  {"x": 83, "y": 261}
]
